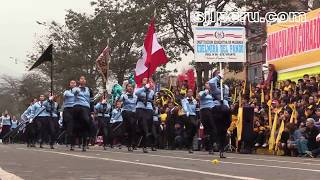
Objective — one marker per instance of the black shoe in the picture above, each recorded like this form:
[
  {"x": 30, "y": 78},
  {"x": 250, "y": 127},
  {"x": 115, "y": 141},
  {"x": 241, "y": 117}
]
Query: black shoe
[
  {"x": 144, "y": 150},
  {"x": 221, "y": 155},
  {"x": 84, "y": 149},
  {"x": 41, "y": 146},
  {"x": 28, "y": 145},
  {"x": 71, "y": 148},
  {"x": 190, "y": 151},
  {"x": 104, "y": 147},
  {"x": 211, "y": 152},
  {"x": 51, "y": 147}
]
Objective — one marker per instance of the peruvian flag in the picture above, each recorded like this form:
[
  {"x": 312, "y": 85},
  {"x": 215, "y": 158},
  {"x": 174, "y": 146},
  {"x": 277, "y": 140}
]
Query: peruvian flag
[{"x": 153, "y": 56}]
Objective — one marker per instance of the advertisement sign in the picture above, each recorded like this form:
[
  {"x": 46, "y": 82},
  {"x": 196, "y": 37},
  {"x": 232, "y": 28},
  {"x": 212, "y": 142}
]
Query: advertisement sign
[{"x": 294, "y": 45}]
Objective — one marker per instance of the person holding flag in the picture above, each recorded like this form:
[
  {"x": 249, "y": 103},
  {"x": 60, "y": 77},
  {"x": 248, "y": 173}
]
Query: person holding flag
[
  {"x": 51, "y": 124},
  {"x": 153, "y": 56},
  {"x": 144, "y": 111},
  {"x": 221, "y": 111},
  {"x": 206, "y": 116}
]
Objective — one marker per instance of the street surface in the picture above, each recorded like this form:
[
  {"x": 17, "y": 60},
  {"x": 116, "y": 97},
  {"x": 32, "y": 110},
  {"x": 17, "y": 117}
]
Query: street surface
[{"x": 19, "y": 162}]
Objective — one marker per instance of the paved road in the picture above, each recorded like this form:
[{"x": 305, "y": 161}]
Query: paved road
[{"x": 115, "y": 164}]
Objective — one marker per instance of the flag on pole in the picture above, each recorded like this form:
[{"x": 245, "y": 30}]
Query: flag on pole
[
  {"x": 46, "y": 56},
  {"x": 102, "y": 63},
  {"x": 250, "y": 92},
  {"x": 262, "y": 96},
  {"x": 281, "y": 129},
  {"x": 153, "y": 56}
]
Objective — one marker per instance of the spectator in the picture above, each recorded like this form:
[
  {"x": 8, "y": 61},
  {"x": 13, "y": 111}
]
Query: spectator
[{"x": 311, "y": 133}]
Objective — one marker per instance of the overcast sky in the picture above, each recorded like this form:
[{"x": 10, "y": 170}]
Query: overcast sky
[{"x": 19, "y": 30}]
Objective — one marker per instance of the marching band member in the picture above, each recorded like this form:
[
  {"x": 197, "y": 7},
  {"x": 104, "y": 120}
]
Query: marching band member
[
  {"x": 82, "y": 110},
  {"x": 206, "y": 105},
  {"x": 189, "y": 106},
  {"x": 103, "y": 111},
  {"x": 39, "y": 116},
  {"x": 145, "y": 112},
  {"x": 68, "y": 121},
  {"x": 220, "y": 111},
  {"x": 129, "y": 100},
  {"x": 30, "y": 130},
  {"x": 115, "y": 124},
  {"x": 51, "y": 124}
]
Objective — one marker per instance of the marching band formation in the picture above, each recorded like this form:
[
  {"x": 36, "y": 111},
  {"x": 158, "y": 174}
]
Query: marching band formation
[{"x": 133, "y": 118}]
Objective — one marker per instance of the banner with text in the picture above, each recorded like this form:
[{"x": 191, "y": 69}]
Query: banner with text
[{"x": 219, "y": 44}]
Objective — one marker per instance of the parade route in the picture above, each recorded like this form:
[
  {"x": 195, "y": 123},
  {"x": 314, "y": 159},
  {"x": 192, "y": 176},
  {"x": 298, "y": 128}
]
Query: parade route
[{"x": 36, "y": 163}]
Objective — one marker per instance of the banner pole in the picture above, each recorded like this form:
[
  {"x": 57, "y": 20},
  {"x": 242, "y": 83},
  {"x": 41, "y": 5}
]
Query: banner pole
[{"x": 221, "y": 88}]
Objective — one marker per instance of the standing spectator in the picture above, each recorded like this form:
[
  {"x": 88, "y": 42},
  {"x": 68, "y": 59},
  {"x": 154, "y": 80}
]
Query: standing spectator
[
  {"x": 272, "y": 76},
  {"x": 6, "y": 126}
]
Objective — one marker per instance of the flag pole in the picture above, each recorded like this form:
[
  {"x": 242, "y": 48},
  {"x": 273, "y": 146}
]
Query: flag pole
[
  {"x": 221, "y": 89},
  {"x": 51, "y": 75}
]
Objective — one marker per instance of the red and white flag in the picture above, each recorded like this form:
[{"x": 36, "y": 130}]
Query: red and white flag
[{"x": 153, "y": 56}]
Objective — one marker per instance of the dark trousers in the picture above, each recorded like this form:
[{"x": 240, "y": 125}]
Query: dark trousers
[
  {"x": 222, "y": 118},
  {"x": 68, "y": 123},
  {"x": 155, "y": 133},
  {"x": 209, "y": 125},
  {"x": 145, "y": 121},
  {"x": 103, "y": 128},
  {"x": 41, "y": 123},
  {"x": 52, "y": 129},
  {"x": 30, "y": 133},
  {"x": 191, "y": 125},
  {"x": 130, "y": 124},
  {"x": 115, "y": 132},
  {"x": 82, "y": 123},
  {"x": 5, "y": 130},
  {"x": 170, "y": 133}
]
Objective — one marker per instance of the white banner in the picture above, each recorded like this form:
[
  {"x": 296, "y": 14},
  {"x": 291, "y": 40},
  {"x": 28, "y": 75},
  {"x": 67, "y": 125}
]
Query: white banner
[{"x": 219, "y": 44}]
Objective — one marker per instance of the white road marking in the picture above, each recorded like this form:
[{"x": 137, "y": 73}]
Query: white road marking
[
  {"x": 147, "y": 164},
  {"x": 234, "y": 163},
  {"x": 270, "y": 159},
  {"x": 4, "y": 175}
]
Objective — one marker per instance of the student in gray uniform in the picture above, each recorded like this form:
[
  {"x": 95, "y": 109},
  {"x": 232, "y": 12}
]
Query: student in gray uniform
[
  {"x": 103, "y": 111},
  {"x": 129, "y": 101},
  {"x": 189, "y": 105},
  {"x": 51, "y": 124},
  {"x": 82, "y": 111},
  {"x": 115, "y": 129},
  {"x": 30, "y": 130},
  {"x": 39, "y": 116},
  {"x": 145, "y": 112},
  {"x": 221, "y": 111},
  {"x": 68, "y": 121}
]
